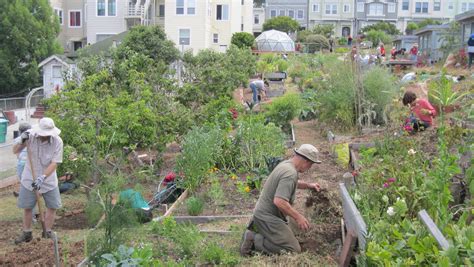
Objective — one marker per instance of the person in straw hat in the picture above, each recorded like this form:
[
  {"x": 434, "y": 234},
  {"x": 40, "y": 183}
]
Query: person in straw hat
[
  {"x": 45, "y": 152},
  {"x": 268, "y": 230}
]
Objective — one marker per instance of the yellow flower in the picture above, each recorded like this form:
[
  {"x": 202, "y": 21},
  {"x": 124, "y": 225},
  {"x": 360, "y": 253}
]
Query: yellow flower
[
  {"x": 233, "y": 177},
  {"x": 247, "y": 189}
]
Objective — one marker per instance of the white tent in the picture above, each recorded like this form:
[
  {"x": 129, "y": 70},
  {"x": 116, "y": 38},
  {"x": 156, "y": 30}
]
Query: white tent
[{"x": 274, "y": 40}]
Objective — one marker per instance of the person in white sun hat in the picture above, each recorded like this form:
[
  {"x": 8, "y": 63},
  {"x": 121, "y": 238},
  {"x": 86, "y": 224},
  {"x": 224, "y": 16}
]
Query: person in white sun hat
[
  {"x": 45, "y": 152},
  {"x": 268, "y": 230}
]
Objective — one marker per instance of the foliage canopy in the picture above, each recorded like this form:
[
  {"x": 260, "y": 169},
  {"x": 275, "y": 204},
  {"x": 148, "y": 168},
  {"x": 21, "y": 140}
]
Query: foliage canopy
[
  {"x": 28, "y": 31},
  {"x": 281, "y": 23},
  {"x": 242, "y": 39}
]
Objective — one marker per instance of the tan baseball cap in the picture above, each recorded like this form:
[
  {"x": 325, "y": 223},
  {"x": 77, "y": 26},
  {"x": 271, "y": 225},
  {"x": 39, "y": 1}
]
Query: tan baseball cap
[{"x": 309, "y": 152}]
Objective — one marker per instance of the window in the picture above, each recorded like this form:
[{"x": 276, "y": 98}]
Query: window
[
  {"x": 243, "y": 2},
  {"x": 215, "y": 38},
  {"x": 391, "y": 8},
  {"x": 222, "y": 12},
  {"x": 256, "y": 19},
  {"x": 179, "y": 7},
  {"x": 162, "y": 11},
  {"x": 106, "y": 8},
  {"x": 347, "y": 8},
  {"x": 184, "y": 36},
  {"x": 421, "y": 7},
  {"x": 437, "y": 6},
  {"x": 273, "y": 13},
  {"x": 316, "y": 8},
  {"x": 463, "y": 7},
  {"x": 471, "y": 6},
  {"x": 111, "y": 8},
  {"x": 281, "y": 12},
  {"x": 57, "y": 71},
  {"x": 450, "y": 5},
  {"x": 291, "y": 14},
  {"x": 300, "y": 14},
  {"x": 406, "y": 4},
  {"x": 75, "y": 19},
  {"x": 376, "y": 9},
  {"x": 59, "y": 13},
  {"x": 331, "y": 9},
  {"x": 360, "y": 6},
  {"x": 100, "y": 7},
  {"x": 191, "y": 7}
]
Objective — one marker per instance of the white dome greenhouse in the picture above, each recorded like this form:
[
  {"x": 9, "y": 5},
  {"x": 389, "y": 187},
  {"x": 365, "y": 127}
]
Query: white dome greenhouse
[{"x": 274, "y": 40}]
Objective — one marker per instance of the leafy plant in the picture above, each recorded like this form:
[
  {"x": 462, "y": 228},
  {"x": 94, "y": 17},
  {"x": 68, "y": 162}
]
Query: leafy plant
[
  {"x": 215, "y": 254},
  {"x": 200, "y": 149},
  {"x": 195, "y": 206},
  {"x": 128, "y": 256},
  {"x": 283, "y": 109},
  {"x": 281, "y": 23},
  {"x": 242, "y": 39},
  {"x": 316, "y": 42},
  {"x": 185, "y": 238}
]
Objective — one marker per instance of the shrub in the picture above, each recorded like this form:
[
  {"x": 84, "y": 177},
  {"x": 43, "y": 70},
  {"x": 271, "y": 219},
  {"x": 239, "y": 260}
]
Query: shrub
[
  {"x": 377, "y": 36},
  {"x": 257, "y": 140},
  {"x": 281, "y": 23},
  {"x": 316, "y": 42},
  {"x": 342, "y": 41},
  {"x": 379, "y": 86},
  {"x": 342, "y": 50},
  {"x": 201, "y": 146},
  {"x": 242, "y": 39},
  {"x": 195, "y": 206},
  {"x": 283, "y": 109}
]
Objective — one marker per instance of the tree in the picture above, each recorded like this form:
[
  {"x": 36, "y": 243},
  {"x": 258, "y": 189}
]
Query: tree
[
  {"x": 281, "y": 23},
  {"x": 378, "y": 36},
  {"x": 411, "y": 27},
  {"x": 28, "y": 33},
  {"x": 326, "y": 30},
  {"x": 242, "y": 39},
  {"x": 386, "y": 27},
  {"x": 316, "y": 42},
  {"x": 150, "y": 41}
]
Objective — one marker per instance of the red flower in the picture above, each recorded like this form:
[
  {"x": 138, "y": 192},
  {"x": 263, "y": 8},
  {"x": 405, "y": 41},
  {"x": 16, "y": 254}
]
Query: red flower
[
  {"x": 391, "y": 180},
  {"x": 386, "y": 185}
]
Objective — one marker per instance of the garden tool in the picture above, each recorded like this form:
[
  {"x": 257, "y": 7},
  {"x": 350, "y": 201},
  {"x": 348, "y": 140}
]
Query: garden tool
[{"x": 38, "y": 195}]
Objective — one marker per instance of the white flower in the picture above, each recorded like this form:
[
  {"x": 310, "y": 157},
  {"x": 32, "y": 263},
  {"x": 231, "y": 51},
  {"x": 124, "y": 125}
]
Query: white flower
[
  {"x": 385, "y": 198},
  {"x": 398, "y": 198},
  {"x": 411, "y": 152},
  {"x": 390, "y": 211}
]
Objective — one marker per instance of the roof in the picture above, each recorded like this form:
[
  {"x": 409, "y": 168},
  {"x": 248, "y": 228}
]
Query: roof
[
  {"x": 406, "y": 38},
  {"x": 66, "y": 61},
  {"x": 468, "y": 15},
  {"x": 432, "y": 28},
  {"x": 103, "y": 46}
]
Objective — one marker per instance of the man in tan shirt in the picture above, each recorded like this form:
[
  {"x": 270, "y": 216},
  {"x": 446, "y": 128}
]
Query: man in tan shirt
[
  {"x": 268, "y": 232},
  {"x": 45, "y": 152}
]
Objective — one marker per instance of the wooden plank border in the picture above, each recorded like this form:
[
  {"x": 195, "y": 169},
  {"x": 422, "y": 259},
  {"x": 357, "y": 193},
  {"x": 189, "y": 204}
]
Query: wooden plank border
[{"x": 433, "y": 229}]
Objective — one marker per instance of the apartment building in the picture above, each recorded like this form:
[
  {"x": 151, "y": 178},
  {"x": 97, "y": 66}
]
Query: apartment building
[
  {"x": 295, "y": 9},
  {"x": 368, "y": 12},
  {"x": 71, "y": 20},
  {"x": 191, "y": 24},
  {"x": 258, "y": 20},
  {"x": 339, "y": 13},
  {"x": 418, "y": 10}
]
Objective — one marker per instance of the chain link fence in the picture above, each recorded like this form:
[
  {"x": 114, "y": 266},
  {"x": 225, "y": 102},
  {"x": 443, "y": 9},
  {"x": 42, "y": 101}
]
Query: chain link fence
[{"x": 19, "y": 102}]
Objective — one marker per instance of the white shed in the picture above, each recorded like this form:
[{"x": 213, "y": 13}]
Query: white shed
[
  {"x": 274, "y": 40},
  {"x": 55, "y": 68}
]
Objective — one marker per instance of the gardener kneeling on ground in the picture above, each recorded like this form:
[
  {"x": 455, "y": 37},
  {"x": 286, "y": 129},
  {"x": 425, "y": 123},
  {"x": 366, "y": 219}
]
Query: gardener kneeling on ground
[
  {"x": 45, "y": 152},
  {"x": 268, "y": 230},
  {"x": 421, "y": 113}
]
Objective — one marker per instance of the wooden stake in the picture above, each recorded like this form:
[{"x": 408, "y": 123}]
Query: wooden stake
[{"x": 347, "y": 249}]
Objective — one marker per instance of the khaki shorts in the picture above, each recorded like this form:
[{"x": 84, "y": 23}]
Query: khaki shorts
[{"x": 27, "y": 198}]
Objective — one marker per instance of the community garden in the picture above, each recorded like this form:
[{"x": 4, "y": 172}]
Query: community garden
[{"x": 129, "y": 124}]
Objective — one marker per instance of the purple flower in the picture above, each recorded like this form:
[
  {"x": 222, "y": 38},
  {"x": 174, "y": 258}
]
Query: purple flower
[
  {"x": 391, "y": 180},
  {"x": 386, "y": 185}
]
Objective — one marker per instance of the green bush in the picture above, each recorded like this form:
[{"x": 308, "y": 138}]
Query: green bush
[
  {"x": 380, "y": 89},
  {"x": 316, "y": 42},
  {"x": 283, "y": 109},
  {"x": 342, "y": 41},
  {"x": 200, "y": 149},
  {"x": 377, "y": 36},
  {"x": 242, "y": 39},
  {"x": 256, "y": 141},
  {"x": 194, "y": 206}
]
